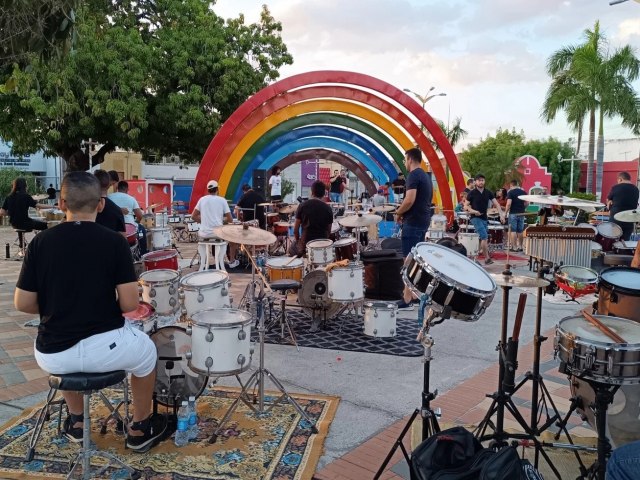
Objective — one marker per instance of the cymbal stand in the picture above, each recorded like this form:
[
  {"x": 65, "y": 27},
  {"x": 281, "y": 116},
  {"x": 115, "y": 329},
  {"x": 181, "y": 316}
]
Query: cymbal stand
[
  {"x": 257, "y": 378},
  {"x": 430, "y": 424}
]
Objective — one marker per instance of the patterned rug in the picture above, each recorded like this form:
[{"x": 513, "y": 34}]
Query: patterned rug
[
  {"x": 278, "y": 445},
  {"x": 346, "y": 333}
]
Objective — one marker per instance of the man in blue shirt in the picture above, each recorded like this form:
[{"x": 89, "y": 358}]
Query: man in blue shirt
[{"x": 415, "y": 211}]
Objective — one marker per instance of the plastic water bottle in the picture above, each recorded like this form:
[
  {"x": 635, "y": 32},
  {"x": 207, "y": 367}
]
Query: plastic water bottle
[
  {"x": 193, "y": 419},
  {"x": 182, "y": 432}
]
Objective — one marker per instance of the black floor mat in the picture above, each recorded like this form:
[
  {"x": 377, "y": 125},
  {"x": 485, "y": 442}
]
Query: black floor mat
[{"x": 351, "y": 338}]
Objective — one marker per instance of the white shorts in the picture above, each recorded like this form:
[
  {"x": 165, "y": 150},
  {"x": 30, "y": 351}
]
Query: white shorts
[{"x": 125, "y": 348}]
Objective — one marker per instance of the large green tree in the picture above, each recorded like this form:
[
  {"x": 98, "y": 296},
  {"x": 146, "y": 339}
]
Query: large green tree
[
  {"x": 592, "y": 80},
  {"x": 495, "y": 158},
  {"x": 158, "y": 77}
]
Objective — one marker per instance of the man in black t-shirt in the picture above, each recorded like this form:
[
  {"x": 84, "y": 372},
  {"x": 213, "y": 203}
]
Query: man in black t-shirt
[
  {"x": 623, "y": 196},
  {"x": 470, "y": 185},
  {"x": 513, "y": 211},
  {"x": 477, "y": 204},
  {"x": 249, "y": 204},
  {"x": 315, "y": 217},
  {"x": 79, "y": 278},
  {"x": 399, "y": 185},
  {"x": 51, "y": 192},
  {"x": 111, "y": 215},
  {"x": 17, "y": 205},
  {"x": 335, "y": 190}
]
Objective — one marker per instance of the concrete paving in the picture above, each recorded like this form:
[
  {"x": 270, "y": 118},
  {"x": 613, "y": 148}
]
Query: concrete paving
[{"x": 375, "y": 390}]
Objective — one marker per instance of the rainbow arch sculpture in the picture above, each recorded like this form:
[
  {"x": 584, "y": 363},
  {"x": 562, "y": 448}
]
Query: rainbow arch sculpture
[{"x": 339, "y": 96}]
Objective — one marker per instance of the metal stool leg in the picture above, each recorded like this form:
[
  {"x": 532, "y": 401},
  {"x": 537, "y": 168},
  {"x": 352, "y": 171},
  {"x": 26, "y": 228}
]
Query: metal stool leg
[{"x": 42, "y": 417}]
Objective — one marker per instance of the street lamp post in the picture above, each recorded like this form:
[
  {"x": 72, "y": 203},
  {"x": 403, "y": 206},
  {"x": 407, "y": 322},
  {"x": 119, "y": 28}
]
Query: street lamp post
[
  {"x": 424, "y": 98},
  {"x": 560, "y": 159}
]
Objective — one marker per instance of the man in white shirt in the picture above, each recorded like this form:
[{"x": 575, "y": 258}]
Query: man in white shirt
[
  {"x": 131, "y": 211},
  {"x": 378, "y": 199},
  {"x": 211, "y": 211},
  {"x": 276, "y": 184}
]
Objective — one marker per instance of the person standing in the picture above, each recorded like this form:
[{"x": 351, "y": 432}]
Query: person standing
[
  {"x": 471, "y": 184},
  {"x": 378, "y": 199},
  {"x": 315, "y": 217},
  {"x": 51, "y": 194},
  {"x": 212, "y": 211},
  {"x": 399, "y": 185},
  {"x": 623, "y": 196},
  {"x": 478, "y": 201},
  {"x": 344, "y": 194},
  {"x": 249, "y": 206},
  {"x": 17, "y": 205},
  {"x": 336, "y": 185},
  {"x": 415, "y": 211},
  {"x": 79, "y": 278},
  {"x": 275, "y": 181},
  {"x": 514, "y": 211}
]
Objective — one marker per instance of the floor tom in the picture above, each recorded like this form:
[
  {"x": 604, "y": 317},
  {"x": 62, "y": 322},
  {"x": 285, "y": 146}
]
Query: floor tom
[
  {"x": 496, "y": 234},
  {"x": 380, "y": 319},
  {"x": 345, "y": 248},
  {"x": 619, "y": 292},
  {"x": 280, "y": 268},
  {"x": 470, "y": 241},
  {"x": 346, "y": 284},
  {"x": 160, "y": 238}
]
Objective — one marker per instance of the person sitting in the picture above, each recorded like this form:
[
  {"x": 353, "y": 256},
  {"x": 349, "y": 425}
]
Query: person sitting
[
  {"x": 315, "y": 217},
  {"x": 249, "y": 208},
  {"x": 378, "y": 198},
  {"x": 131, "y": 211},
  {"x": 79, "y": 277},
  {"x": 17, "y": 204},
  {"x": 109, "y": 215}
]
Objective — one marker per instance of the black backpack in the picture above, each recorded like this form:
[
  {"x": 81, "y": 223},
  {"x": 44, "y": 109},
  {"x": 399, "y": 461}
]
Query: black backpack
[{"x": 455, "y": 454}]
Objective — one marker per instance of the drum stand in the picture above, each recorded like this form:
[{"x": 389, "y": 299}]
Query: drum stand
[
  {"x": 430, "y": 424},
  {"x": 257, "y": 377}
]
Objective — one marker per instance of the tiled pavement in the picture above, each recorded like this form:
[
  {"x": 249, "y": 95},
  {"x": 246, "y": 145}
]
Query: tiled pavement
[{"x": 465, "y": 404}]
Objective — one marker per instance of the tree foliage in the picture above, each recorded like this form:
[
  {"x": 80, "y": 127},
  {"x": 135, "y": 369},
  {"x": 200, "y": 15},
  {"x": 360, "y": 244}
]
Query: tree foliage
[
  {"x": 158, "y": 77},
  {"x": 495, "y": 157}
]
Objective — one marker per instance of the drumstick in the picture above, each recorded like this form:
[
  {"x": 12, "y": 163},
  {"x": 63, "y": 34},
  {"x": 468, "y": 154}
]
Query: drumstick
[
  {"x": 257, "y": 269},
  {"x": 602, "y": 327},
  {"x": 288, "y": 262},
  {"x": 519, "y": 314}
]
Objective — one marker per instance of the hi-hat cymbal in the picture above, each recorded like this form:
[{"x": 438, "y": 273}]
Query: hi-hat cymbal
[
  {"x": 244, "y": 234},
  {"x": 41, "y": 196},
  {"x": 383, "y": 208},
  {"x": 628, "y": 216},
  {"x": 560, "y": 200},
  {"x": 289, "y": 209},
  {"x": 518, "y": 281},
  {"x": 360, "y": 220}
]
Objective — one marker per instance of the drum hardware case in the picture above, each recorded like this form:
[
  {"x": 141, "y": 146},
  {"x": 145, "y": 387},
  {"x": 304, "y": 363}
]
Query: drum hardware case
[{"x": 257, "y": 378}]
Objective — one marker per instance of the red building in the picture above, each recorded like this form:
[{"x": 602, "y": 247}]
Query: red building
[
  {"x": 535, "y": 177},
  {"x": 610, "y": 172}
]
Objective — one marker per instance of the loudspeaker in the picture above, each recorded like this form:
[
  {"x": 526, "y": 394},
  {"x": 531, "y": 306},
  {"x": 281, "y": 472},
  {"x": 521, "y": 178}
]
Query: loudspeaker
[{"x": 260, "y": 182}]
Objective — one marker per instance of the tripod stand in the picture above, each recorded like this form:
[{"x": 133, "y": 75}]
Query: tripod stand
[
  {"x": 430, "y": 424},
  {"x": 258, "y": 377}
]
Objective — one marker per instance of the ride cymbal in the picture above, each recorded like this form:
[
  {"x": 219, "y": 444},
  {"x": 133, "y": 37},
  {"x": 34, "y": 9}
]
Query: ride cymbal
[
  {"x": 628, "y": 216},
  {"x": 518, "y": 281},
  {"x": 244, "y": 234},
  {"x": 383, "y": 208},
  {"x": 360, "y": 220},
  {"x": 289, "y": 209}
]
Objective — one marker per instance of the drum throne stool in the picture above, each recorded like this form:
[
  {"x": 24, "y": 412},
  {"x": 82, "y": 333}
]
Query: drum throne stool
[
  {"x": 22, "y": 241},
  {"x": 87, "y": 383},
  {"x": 282, "y": 287},
  {"x": 205, "y": 248}
]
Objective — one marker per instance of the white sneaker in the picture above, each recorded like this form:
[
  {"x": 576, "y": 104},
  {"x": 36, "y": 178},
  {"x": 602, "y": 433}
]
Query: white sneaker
[{"x": 234, "y": 264}]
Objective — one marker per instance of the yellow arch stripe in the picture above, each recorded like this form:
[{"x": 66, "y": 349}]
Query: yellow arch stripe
[{"x": 312, "y": 106}]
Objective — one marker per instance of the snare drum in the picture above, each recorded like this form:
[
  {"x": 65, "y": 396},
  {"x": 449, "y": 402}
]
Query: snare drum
[
  {"x": 608, "y": 234},
  {"x": 496, "y": 234},
  {"x": 619, "y": 292},
  {"x": 220, "y": 341},
  {"x": 345, "y": 248},
  {"x": 175, "y": 381},
  {"x": 204, "y": 290},
  {"x": 380, "y": 319},
  {"x": 131, "y": 232},
  {"x": 346, "y": 284},
  {"x": 320, "y": 252},
  {"x": 280, "y": 268},
  {"x": 160, "y": 289},
  {"x": 142, "y": 318},
  {"x": 450, "y": 279},
  {"x": 470, "y": 241},
  {"x": 588, "y": 353},
  {"x": 161, "y": 259},
  {"x": 625, "y": 247},
  {"x": 576, "y": 281},
  {"x": 160, "y": 238}
]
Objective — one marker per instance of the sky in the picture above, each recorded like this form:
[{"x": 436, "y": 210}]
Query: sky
[{"x": 488, "y": 56}]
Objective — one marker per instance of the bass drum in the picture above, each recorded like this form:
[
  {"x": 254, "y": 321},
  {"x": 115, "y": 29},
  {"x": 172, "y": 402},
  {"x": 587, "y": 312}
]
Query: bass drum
[
  {"x": 314, "y": 294},
  {"x": 623, "y": 415},
  {"x": 175, "y": 381}
]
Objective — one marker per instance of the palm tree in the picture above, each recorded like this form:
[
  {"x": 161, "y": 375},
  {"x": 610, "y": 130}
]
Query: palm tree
[
  {"x": 454, "y": 133},
  {"x": 587, "y": 80}
]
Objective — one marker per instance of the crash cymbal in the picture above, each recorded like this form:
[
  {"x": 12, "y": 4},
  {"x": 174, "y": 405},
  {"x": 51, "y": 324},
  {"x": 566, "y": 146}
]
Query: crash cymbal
[
  {"x": 628, "y": 216},
  {"x": 41, "y": 196},
  {"x": 560, "y": 200},
  {"x": 518, "y": 281},
  {"x": 244, "y": 234},
  {"x": 289, "y": 209},
  {"x": 285, "y": 224},
  {"x": 265, "y": 204},
  {"x": 383, "y": 208},
  {"x": 360, "y": 220}
]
